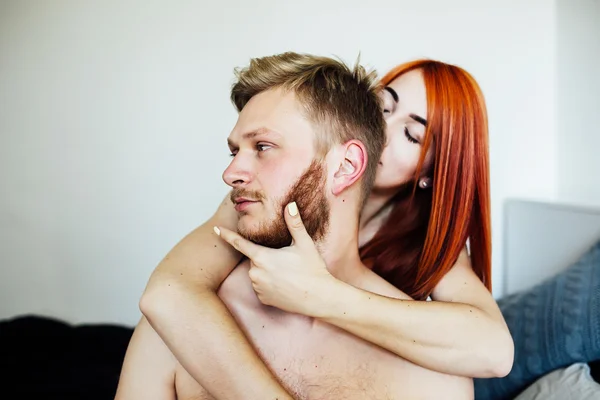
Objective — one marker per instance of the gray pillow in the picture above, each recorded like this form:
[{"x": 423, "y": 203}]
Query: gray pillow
[
  {"x": 571, "y": 383},
  {"x": 553, "y": 325}
]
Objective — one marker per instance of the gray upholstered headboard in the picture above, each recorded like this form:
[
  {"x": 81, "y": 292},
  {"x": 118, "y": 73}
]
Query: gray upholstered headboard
[{"x": 542, "y": 239}]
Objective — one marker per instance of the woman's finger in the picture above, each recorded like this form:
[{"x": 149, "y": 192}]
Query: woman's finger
[
  {"x": 295, "y": 225},
  {"x": 244, "y": 246}
]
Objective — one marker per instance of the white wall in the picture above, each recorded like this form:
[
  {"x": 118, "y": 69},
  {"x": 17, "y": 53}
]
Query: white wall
[
  {"x": 113, "y": 118},
  {"x": 578, "y": 101}
]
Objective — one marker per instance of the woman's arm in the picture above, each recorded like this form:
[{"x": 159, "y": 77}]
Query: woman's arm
[
  {"x": 181, "y": 304},
  {"x": 462, "y": 332}
]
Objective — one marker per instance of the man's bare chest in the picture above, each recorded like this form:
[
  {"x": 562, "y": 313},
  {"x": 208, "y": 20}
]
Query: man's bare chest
[
  {"x": 312, "y": 359},
  {"x": 315, "y": 360}
]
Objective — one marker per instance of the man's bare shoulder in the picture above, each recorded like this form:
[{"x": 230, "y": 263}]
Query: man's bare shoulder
[
  {"x": 148, "y": 368},
  {"x": 237, "y": 289}
]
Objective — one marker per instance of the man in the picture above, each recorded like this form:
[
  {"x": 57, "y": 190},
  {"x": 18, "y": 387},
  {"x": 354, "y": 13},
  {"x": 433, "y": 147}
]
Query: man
[{"x": 310, "y": 131}]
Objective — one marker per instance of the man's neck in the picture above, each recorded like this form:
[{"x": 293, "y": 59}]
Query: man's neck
[{"x": 339, "y": 248}]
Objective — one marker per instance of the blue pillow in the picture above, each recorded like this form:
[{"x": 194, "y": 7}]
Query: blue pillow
[{"x": 553, "y": 325}]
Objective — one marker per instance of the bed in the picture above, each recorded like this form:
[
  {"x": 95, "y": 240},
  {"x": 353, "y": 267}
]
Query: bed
[{"x": 551, "y": 302}]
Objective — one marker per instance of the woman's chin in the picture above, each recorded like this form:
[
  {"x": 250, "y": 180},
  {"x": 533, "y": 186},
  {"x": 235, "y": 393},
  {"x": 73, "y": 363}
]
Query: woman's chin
[{"x": 379, "y": 191}]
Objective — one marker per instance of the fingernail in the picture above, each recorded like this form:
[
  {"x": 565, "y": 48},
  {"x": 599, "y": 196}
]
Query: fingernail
[
  {"x": 217, "y": 230},
  {"x": 293, "y": 209}
]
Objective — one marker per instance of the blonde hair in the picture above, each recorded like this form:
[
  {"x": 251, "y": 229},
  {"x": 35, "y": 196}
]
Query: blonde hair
[{"x": 342, "y": 103}]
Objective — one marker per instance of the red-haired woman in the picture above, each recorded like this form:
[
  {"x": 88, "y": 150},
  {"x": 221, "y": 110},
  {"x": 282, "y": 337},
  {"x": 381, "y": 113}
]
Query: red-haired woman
[{"x": 431, "y": 197}]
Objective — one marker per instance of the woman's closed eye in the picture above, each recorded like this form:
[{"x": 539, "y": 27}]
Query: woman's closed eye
[{"x": 409, "y": 136}]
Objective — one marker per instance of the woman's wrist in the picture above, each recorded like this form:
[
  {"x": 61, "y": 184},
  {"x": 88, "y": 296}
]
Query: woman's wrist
[{"x": 328, "y": 296}]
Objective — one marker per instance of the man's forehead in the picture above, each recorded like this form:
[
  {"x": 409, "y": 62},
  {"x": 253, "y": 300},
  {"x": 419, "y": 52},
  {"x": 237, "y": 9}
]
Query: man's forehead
[
  {"x": 262, "y": 132},
  {"x": 274, "y": 113}
]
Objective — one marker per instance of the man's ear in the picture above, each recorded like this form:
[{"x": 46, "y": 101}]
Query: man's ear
[{"x": 351, "y": 167}]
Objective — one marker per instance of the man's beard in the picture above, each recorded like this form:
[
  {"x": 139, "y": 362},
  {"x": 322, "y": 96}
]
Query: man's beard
[{"x": 309, "y": 194}]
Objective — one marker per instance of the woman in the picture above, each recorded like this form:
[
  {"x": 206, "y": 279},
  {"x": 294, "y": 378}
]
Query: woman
[{"x": 430, "y": 196}]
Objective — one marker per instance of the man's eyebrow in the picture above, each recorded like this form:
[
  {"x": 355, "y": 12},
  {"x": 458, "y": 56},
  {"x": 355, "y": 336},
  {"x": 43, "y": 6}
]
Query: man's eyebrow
[
  {"x": 393, "y": 93},
  {"x": 420, "y": 120},
  {"x": 253, "y": 134}
]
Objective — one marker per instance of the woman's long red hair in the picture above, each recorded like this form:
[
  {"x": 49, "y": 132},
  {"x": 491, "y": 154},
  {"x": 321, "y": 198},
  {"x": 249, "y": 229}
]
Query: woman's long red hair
[{"x": 428, "y": 228}]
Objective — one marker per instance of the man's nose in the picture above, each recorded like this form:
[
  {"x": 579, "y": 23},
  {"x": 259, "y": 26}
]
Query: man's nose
[{"x": 238, "y": 173}]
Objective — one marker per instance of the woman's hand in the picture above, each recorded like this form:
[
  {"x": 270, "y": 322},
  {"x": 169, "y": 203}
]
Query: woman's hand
[{"x": 292, "y": 278}]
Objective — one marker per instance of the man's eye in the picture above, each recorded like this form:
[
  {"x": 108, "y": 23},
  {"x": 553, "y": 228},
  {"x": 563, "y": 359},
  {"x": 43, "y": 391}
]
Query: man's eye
[{"x": 262, "y": 147}]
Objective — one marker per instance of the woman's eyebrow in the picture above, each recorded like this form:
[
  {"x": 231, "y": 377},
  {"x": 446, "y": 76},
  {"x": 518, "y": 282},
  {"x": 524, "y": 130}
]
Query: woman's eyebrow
[
  {"x": 392, "y": 92},
  {"x": 420, "y": 120}
]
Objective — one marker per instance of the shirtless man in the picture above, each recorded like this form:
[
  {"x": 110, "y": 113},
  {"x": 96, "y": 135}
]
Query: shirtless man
[{"x": 310, "y": 131}]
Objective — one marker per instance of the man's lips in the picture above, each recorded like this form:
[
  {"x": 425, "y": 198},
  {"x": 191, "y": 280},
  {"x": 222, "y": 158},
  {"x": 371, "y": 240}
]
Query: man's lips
[{"x": 241, "y": 203}]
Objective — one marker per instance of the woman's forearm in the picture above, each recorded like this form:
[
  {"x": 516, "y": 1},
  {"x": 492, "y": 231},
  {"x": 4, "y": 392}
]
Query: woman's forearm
[
  {"x": 207, "y": 342},
  {"x": 452, "y": 338}
]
